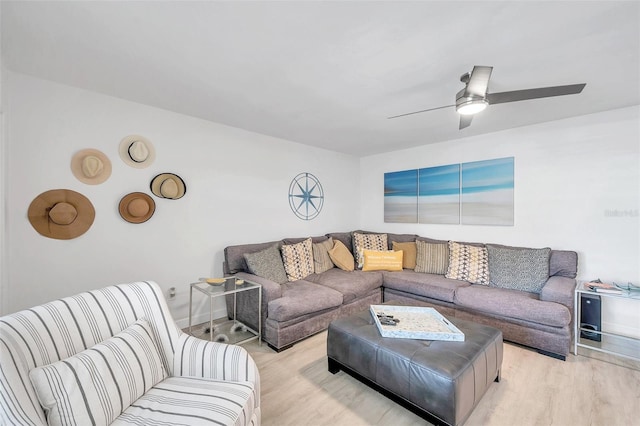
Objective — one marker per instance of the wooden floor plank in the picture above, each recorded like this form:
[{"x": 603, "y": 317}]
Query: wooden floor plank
[{"x": 297, "y": 389}]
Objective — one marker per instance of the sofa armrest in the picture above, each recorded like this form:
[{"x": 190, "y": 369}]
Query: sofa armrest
[
  {"x": 213, "y": 360},
  {"x": 560, "y": 290},
  {"x": 270, "y": 289}
]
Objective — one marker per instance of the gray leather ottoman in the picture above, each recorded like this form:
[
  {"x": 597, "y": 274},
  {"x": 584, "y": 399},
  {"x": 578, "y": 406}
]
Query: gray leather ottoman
[{"x": 441, "y": 381}]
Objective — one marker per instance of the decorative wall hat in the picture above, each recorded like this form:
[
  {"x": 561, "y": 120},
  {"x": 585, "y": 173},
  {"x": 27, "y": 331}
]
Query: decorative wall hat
[
  {"x": 168, "y": 185},
  {"x": 61, "y": 214},
  {"x": 137, "y": 207},
  {"x": 91, "y": 166},
  {"x": 137, "y": 151}
]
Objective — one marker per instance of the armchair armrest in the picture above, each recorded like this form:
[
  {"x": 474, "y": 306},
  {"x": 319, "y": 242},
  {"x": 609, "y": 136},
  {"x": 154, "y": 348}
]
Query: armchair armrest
[
  {"x": 213, "y": 360},
  {"x": 559, "y": 290}
]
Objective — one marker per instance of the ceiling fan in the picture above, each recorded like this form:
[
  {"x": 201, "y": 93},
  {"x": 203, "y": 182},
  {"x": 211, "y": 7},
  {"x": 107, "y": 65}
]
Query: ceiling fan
[{"x": 475, "y": 98}]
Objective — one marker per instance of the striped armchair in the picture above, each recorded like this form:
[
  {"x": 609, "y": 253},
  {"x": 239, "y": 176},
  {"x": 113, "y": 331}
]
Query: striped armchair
[{"x": 116, "y": 356}]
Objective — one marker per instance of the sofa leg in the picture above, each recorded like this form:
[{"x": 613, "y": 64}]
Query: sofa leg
[
  {"x": 334, "y": 366},
  {"x": 497, "y": 379},
  {"x": 284, "y": 348},
  {"x": 552, "y": 355}
]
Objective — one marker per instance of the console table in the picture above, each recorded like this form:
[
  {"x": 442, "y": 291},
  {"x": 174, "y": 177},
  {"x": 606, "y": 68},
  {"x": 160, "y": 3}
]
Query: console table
[
  {"x": 234, "y": 331},
  {"x": 609, "y": 343}
]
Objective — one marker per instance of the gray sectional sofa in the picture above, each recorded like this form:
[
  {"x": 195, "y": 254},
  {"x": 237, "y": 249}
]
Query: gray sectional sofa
[{"x": 294, "y": 310}]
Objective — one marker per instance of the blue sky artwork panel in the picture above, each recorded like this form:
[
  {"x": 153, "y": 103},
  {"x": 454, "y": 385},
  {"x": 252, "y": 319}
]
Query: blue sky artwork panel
[
  {"x": 401, "y": 197},
  {"x": 487, "y": 192},
  {"x": 439, "y": 194}
]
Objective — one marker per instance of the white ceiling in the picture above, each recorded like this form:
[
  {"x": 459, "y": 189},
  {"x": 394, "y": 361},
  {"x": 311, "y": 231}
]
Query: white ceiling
[{"x": 330, "y": 73}]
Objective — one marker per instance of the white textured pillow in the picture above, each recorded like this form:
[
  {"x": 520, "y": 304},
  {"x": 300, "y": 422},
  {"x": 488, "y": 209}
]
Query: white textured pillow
[
  {"x": 298, "y": 259},
  {"x": 97, "y": 384}
]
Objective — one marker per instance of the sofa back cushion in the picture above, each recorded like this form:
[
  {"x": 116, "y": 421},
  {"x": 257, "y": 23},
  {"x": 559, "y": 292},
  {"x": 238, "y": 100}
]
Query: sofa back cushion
[
  {"x": 343, "y": 237},
  {"x": 563, "y": 263}
]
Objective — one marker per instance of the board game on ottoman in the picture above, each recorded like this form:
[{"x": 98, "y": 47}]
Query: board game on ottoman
[{"x": 441, "y": 380}]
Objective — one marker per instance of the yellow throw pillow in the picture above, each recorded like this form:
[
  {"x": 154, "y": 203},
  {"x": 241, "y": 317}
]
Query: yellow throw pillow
[
  {"x": 375, "y": 260},
  {"x": 341, "y": 256},
  {"x": 410, "y": 253}
]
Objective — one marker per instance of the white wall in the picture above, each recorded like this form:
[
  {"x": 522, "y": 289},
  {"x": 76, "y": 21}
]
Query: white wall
[
  {"x": 237, "y": 186},
  {"x": 570, "y": 177}
]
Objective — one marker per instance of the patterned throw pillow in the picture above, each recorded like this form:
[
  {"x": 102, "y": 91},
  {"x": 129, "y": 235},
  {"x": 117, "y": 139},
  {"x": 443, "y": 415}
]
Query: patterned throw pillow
[
  {"x": 321, "y": 259},
  {"x": 518, "y": 268},
  {"x": 468, "y": 263},
  {"x": 298, "y": 259},
  {"x": 367, "y": 242},
  {"x": 409, "y": 253},
  {"x": 267, "y": 264},
  {"x": 97, "y": 384},
  {"x": 432, "y": 258},
  {"x": 341, "y": 256},
  {"x": 387, "y": 260}
]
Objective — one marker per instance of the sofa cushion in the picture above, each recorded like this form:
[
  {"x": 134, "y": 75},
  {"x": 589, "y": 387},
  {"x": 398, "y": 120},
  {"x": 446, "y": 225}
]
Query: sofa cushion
[
  {"x": 321, "y": 259},
  {"x": 432, "y": 258},
  {"x": 367, "y": 242},
  {"x": 386, "y": 260},
  {"x": 301, "y": 298},
  {"x": 267, "y": 264},
  {"x": 522, "y": 269},
  {"x": 192, "y": 401},
  {"x": 468, "y": 263},
  {"x": 341, "y": 256},
  {"x": 400, "y": 238},
  {"x": 344, "y": 237},
  {"x": 82, "y": 389},
  {"x": 408, "y": 253},
  {"x": 298, "y": 259},
  {"x": 353, "y": 285},
  {"x": 427, "y": 285},
  {"x": 513, "y": 304}
]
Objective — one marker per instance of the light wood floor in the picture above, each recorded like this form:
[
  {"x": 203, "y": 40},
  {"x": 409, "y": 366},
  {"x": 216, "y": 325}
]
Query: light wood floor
[{"x": 534, "y": 389}]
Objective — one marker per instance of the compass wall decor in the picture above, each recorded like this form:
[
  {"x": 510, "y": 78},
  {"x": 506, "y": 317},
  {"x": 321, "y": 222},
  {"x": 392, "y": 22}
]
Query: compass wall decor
[{"x": 306, "y": 196}]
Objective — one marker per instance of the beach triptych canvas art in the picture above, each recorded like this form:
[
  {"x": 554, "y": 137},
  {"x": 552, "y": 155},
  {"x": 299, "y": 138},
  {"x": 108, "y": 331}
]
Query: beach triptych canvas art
[{"x": 475, "y": 193}]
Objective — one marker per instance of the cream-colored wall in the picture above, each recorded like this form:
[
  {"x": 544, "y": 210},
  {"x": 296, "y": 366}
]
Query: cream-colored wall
[
  {"x": 577, "y": 187},
  {"x": 237, "y": 192}
]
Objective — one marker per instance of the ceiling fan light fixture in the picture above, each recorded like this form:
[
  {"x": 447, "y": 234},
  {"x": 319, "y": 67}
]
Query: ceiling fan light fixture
[{"x": 471, "y": 106}]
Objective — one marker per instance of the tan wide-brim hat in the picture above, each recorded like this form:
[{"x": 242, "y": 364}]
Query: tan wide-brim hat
[
  {"x": 61, "y": 214},
  {"x": 168, "y": 185},
  {"x": 137, "y": 207},
  {"x": 137, "y": 151},
  {"x": 91, "y": 166}
]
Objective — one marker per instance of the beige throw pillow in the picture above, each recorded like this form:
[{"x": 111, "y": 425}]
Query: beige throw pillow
[
  {"x": 298, "y": 259},
  {"x": 432, "y": 258},
  {"x": 468, "y": 263},
  {"x": 341, "y": 256},
  {"x": 409, "y": 256},
  {"x": 321, "y": 259}
]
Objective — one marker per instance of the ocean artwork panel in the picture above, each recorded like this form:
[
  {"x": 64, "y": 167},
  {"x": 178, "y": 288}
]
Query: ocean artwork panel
[
  {"x": 401, "y": 196},
  {"x": 488, "y": 192},
  {"x": 439, "y": 194}
]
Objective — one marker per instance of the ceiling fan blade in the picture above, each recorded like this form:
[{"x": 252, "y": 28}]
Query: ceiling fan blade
[
  {"x": 478, "y": 81},
  {"x": 418, "y": 112},
  {"x": 541, "y": 92},
  {"x": 465, "y": 121}
]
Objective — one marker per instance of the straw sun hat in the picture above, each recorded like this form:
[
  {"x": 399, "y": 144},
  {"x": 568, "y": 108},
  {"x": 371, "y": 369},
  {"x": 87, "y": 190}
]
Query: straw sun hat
[
  {"x": 137, "y": 151},
  {"x": 61, "y": 214},
  {"x": 168, "y": 185},
  {"x": 137, "y": 207},
  {"x": 91, "y": 166}
]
